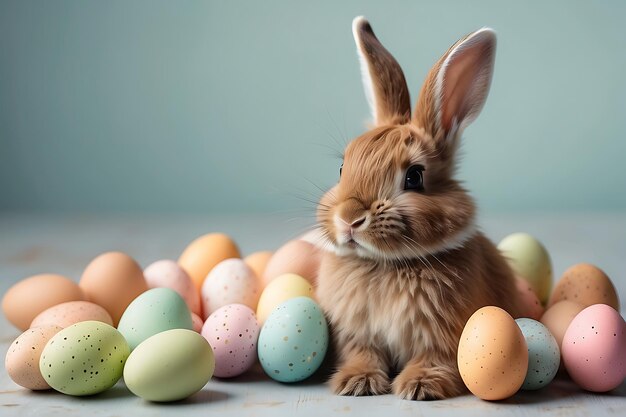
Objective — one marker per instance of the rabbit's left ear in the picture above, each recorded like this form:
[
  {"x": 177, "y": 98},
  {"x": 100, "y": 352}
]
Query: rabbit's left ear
[
  {"x": 457, "y": 86},
  {"x": 383, "y": 79}
]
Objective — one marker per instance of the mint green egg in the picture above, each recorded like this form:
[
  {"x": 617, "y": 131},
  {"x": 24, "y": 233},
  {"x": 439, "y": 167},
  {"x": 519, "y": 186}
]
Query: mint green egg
[
  {"x": 85, "y": 358},
  {"x": 544, "y": 355},
  {"x": 154, "y": 311},
  {"x": 293, "y": 340}
]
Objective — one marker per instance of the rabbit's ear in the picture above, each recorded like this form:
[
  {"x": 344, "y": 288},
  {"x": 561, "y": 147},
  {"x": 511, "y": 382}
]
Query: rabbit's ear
[
  {"x": 383, "y": 80},
  {"x": 457, "y": 86}
]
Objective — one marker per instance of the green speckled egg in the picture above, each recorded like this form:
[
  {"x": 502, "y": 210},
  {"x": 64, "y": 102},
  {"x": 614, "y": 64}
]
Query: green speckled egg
[
  {"x": 84, "y": 359},
  {"x": 154, "y": 311},
  {"x": 293, "y": 341},
  {"x": 544, "y": 355}
]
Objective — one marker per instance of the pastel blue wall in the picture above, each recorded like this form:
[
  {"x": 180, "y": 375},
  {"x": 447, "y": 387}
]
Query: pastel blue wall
[{"x": 240, "y": 106}]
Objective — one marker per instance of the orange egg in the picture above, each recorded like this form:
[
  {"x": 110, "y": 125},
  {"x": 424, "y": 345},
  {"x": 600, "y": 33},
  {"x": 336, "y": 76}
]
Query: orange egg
[
  {"x": 204, "y": 253},
  {"x": 29, "y": 297},
  {"x": 585, "y": 284},
  {"x": 113, "y": 280},
  {"x": 258, "y": 261},
  {"x": 294, "y": 257},
  {"x": 558, "y": 317}
]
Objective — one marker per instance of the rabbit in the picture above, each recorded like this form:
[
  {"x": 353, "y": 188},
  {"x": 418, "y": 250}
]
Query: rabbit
[{"x": 406, "y": 265}]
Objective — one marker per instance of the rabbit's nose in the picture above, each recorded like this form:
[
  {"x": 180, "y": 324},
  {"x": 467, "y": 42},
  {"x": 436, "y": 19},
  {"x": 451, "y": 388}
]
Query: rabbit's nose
[
  {"x": 358, "y": 222},
  {"x": 349, "y": 227}
]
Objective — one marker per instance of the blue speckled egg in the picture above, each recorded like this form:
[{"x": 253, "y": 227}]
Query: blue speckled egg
[
  {"x": 543, "y": 354},
  {"x": 293, "y": 341}
]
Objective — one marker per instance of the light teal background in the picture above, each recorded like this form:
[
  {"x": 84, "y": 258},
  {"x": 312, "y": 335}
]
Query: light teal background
[{"x": 239, "y": 106}]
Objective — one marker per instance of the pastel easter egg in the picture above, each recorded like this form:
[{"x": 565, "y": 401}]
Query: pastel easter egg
[
  {"x": 296, "y": 257},
  {"x": 558, "y": 317},
  {"x": 199, "y": 258},
  {"x": 585, "y": 284},
  {"x": 258, "y": 261},
  {"x": 22, "y": 359},
  {"x": 230, "y": 282},
  {"x": 66, "y": 314},
  {"x": 544, "y": 355},
  {"x": 154, "y": 311},
  {"x": 280, "y": 290},
  {"x": 169, "y": 366},
  {"x": 197, "y": 323},
  {"x": 232, "y": 332},
  {"x": 168, "y": 274},
  {"x": 85, "y": 358},
  {"x": 532, "y": 306},
  {"x": 293, "y": 341}
]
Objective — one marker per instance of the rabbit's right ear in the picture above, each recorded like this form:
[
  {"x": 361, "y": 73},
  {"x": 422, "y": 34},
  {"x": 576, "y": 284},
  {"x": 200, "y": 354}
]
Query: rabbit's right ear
[{"x": 383, "y": 79}]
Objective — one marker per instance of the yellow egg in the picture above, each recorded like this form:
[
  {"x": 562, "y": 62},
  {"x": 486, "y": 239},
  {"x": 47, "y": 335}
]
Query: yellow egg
[
  {"x": 204, "y": 253},
  {"x": 585, "y": 284},
  {"x": 492, "y": 355},
  {"x": 279, "y": 290}
]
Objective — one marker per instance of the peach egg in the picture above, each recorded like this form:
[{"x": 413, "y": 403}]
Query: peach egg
[
  {"x": 66, "y": 314},
  {"x": 258, "y": 261},
  {"x": 295, "y": 257},
  {"x": 585, "y": 284},
  {"x": 558, "y": 317},
  {"x": 201, "y": 255},
  {"x": 532, "y": 307}
]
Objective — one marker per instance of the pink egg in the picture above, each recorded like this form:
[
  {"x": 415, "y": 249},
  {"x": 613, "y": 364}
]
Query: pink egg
[
  {"x": 232, "y": 332},
  {"x": 594, "y": 348},
  {"x": 231, "y": 281},
  {"x": 532, "y": 307},
  {"x": 169, "y": 274},
  {"x": 197, "y": 322},
  {"x": 66, "y": 314},
  {"x": 296, "y": 257}
]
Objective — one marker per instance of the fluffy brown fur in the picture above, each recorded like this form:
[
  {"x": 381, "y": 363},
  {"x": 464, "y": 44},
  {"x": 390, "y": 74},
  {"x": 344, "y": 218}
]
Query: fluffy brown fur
[{"x": 409, "y": 267}]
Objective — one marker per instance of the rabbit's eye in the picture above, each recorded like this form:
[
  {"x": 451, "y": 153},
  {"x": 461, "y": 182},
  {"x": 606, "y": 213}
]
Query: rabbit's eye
[
  {"x": 414, "y": 178},
  {"x": 340, "y": 169}
]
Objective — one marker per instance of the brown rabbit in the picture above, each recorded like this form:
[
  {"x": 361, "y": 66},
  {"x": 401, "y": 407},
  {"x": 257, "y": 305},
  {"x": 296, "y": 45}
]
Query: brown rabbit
[{"x": 408, "y": 265}]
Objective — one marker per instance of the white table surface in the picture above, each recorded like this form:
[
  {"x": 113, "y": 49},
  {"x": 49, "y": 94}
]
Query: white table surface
[{"x": 64, "y": 244}]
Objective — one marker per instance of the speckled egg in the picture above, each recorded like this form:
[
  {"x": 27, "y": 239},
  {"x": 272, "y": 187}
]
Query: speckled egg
[
  {"x": 66, "y": 314},
  {"x": 154, "y": 311},
  {"x": 232, "y": 331},
  {"x": 492, "y": 355},
  {"x": 84, "y": 359},
  {"x": 544, "y": 355},
  {"x": 296, "y": 257},
  {"x": 585, "y": 284},
  {"x": 532, "y": 306},
  {"x": 280, "y": 290},
  {"x": 594, "y": 348},
  {"x": 196, "y": 322},
  {"x": 231, "y": 281},
  {"x": 558, "y": 317},
  {"x": 22, "y": 359},
  {"x": 530, "y": 260},
  {"x": 169, "y": 366},
  {"x": 168, "y": 274},
  {"x": 293, "y": 341}
]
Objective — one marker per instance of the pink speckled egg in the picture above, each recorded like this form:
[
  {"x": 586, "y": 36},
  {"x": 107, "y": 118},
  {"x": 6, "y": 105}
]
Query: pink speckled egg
[
  {"x": 196, "y": 320},
  {"x": 532, "y": 307},
  {"x": 169, "y": 274},
  {"x": 231, "y": 281},
  {"x": 232, "y": 332},
  {"x": 66, "y": 314},
  {"x": 594, "y": 348}
]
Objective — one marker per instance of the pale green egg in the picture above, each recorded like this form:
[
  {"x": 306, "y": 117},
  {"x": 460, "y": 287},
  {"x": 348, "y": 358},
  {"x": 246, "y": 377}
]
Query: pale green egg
[
  {"x": 169, "y": 366},
  {"x": 84, "y": 359},
  {"x": 293, "y": 341},
  {"x": 544, "y": 355},
  {"x": 154, "y": 311}
]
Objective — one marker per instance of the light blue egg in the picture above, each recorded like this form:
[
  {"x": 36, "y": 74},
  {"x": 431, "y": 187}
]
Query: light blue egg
[
  {"x": 293, "y": 341},
  {"x": 544, "y": 355}
]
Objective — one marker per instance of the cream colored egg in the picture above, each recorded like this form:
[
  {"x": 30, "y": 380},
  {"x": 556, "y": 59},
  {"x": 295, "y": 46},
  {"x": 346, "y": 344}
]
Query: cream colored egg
[
  {"x": 295, "y": 257},
  {"x": 29, "y": 297},
  {"x": 279, "y": 290},
  {"x": 113, "y": 280},
  {"x": 231, "y": 281},
  {"x": 585, "y": 284},
  {"x": 66, "y": 314},
  {"x": 22, "y": 359},
  {"x": 199, "y": 258}
]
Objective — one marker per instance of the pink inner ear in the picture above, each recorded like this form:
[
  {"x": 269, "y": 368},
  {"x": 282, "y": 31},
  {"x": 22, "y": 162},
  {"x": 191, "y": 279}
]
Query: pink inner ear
[{"x": 465, "y": 84}]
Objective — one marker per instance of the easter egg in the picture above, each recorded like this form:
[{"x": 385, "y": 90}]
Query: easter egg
[
  {"x": 168, "y": 274},
  {"x": 280, "y": 290},
  {"x": 22, "y": 359},
  {"x": 532, "y": 306},
  {"x": 258, "y": 261},
  {"x": 492, "y": 354},
  {"x": 594, "y": 348},
  {"x": 112, "y": 280},
  {"x": 197, "y": 322},
  {"x": 199, "y": 258},
  {"x": 293, "y": 341},
  {"x": 29, "y": 297},
  {"x": 296, "y": 257},
  {"x": 232, "y": 331},
  {"x": 154, "y": 311},
  {"x": 230, "y": 282},
  {"x": 558, "y": 317},
  {"x": 530, "y": 260},
  {"x": 84, "y": 359},
  {"x": 585, "y": 284},
  {"x": 66, "y": 314},
  {"x": 544, "y": 355},
  {"x": 169, "y": 366}
]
